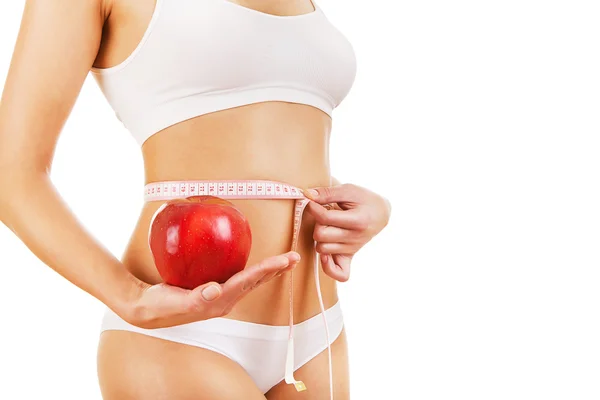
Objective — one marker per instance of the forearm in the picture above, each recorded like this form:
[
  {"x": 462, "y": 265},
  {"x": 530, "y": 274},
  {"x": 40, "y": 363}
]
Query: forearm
[{"x": 37, "y": 214}]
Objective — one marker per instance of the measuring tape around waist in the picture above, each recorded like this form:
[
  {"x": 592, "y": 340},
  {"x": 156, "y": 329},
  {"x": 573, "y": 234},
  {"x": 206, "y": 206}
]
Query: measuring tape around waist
[{"x": 248, "y": 190}]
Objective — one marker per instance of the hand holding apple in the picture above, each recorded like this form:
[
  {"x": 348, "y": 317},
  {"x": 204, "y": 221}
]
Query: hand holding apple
[{"x": 163, "y": 305}]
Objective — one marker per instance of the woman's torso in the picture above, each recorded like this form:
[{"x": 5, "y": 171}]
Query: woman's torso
[{"x": 274, "y": 140}]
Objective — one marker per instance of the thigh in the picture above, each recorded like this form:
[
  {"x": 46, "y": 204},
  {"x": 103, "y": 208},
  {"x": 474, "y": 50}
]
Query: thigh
[
  {"x": 133, "y": 366},
  {"x": 315, "y": 374}
]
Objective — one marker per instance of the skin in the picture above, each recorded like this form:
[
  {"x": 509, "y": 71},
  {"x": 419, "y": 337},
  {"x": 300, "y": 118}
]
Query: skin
[{"x": 67, "y": 38}]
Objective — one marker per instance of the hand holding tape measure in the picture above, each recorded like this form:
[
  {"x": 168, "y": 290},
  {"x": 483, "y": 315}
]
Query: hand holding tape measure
[{"x": 357, "y": 215}]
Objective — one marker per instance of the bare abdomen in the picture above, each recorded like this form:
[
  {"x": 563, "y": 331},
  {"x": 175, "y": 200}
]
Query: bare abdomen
[{"x": 272, "y": 141}]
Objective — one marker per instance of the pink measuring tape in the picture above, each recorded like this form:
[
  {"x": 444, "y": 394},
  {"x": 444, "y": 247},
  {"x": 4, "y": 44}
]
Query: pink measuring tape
[{"x": 253, "y": 189}]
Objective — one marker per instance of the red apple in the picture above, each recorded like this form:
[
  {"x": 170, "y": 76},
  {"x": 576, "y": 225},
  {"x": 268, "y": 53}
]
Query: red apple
[{"x": 199, "y": 239}]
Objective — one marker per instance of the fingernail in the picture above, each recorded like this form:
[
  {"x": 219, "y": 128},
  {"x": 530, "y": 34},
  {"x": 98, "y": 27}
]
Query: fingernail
[
  {"x": 210, "y": 292},
  {"x": 295, "y": 257},
  {"x": 325, "y": 258},
  {"x": 313, "y": 193}
]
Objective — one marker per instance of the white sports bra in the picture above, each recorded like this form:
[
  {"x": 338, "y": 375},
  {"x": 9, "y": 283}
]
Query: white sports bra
[{"x": 202, "y": 56}]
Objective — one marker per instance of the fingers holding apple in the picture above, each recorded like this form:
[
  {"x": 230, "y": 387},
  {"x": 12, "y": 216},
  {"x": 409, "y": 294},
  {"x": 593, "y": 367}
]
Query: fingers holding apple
[
  {"x": 252, "y": 277},
  {"x": 164, "y": 305}
]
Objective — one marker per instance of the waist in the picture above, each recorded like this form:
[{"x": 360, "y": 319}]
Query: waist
[
  {"x": 270, "y": 207},
  {"x": 275, "y": 141}
]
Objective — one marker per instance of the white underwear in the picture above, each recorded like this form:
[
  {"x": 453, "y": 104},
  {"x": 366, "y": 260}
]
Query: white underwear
[{"x": 259, "y": 349}]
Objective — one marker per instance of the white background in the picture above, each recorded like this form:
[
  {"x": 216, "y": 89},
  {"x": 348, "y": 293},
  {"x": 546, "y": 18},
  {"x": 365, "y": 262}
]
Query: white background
[{"x": 480, "y": 121}]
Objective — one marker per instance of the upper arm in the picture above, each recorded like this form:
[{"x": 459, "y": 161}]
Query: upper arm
[{"x": 56, "y": 46}]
